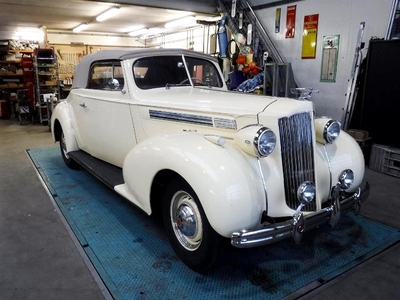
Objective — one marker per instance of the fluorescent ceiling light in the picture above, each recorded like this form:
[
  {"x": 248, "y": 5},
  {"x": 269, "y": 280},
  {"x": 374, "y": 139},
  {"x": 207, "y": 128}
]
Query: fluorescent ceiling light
[
  {"x": 189, "y": 20},
  {"x": 151, "y": 32},
  {"x": 155, "y": 30},
  {"x": 212, "y": 19},
  {"x": 107, "y": 14},
  {"x": 138, "y": 32},
  {"x": 81, "y": 27}
]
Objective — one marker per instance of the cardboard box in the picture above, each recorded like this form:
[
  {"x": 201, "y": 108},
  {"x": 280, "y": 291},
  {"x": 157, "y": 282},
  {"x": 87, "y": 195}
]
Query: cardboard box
[{"x": 358, "y": 135}]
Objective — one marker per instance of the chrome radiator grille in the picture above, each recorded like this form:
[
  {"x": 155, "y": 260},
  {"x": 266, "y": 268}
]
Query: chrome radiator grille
[{"x": 297, "y": 152}]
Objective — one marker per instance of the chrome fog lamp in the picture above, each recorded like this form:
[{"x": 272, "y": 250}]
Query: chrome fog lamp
[
  {"x": 327, "y": 130},
  {"x": 256, "y": 140},
  {"x": 264, "y": 141},
  {"x": 306, "y": 192},
  {"x": 346, "y": 179}
]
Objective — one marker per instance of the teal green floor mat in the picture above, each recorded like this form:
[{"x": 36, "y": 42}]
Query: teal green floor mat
[{"x": 134, "y": 259}]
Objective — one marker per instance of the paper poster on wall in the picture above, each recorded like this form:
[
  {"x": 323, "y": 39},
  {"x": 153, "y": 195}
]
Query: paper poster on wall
[
  {"x": 290, "y": 21},
  {"x": 330, "y": 52},
  {"x": 278, "y": 20},
  {"x": 310, "y": 32}
]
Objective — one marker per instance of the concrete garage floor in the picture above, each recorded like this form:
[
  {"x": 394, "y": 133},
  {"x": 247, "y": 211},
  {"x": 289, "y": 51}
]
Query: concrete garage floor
[{"x": 39, "y": 258}]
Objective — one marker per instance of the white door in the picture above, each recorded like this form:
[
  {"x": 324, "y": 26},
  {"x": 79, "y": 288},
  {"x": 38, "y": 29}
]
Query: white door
[{"x": 103, "y": 120}]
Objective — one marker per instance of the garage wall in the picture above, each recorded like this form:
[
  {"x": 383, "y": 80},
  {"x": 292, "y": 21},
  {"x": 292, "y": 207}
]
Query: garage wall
[
  {"x": 198, "y": 39},
  {"x": 70, "y": 48},
  {"x": 341, "y": 17}
]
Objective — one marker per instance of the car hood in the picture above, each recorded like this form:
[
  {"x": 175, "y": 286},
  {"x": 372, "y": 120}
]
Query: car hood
[{"x": 205, "y": 100}]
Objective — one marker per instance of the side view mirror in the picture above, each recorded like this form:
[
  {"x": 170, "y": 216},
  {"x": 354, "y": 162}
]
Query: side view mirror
[{"x": 113, "y": 84}]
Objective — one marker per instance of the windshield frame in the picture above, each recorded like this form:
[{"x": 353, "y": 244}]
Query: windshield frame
[{"x": 169, "y": 72}]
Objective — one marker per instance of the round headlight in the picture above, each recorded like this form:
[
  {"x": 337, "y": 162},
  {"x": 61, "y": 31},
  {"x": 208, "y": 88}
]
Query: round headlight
[
  {"x": 346, "y": 179},
  {"x": 264, "y": 141},
  {"x": 331, "y": 131},
  {"x": 306, "y": 192}
]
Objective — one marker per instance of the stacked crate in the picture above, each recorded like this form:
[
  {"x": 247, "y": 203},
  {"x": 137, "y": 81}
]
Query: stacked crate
[{"x": 385, "y": 159}]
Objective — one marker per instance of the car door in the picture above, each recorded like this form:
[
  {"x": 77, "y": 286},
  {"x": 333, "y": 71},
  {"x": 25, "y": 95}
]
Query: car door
[{"x": 104, "y": 124}]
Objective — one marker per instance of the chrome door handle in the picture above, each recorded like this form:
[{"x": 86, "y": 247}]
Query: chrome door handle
[{"x": 83, "y": 105}]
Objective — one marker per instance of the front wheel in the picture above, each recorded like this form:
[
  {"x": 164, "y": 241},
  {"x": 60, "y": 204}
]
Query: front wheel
[
  {"x": 64, "y": 153},
  {"x": 189, "y": 232}
]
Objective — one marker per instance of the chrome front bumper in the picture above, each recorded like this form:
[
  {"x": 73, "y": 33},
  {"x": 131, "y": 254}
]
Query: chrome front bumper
[{"x": 299, "y": 224}]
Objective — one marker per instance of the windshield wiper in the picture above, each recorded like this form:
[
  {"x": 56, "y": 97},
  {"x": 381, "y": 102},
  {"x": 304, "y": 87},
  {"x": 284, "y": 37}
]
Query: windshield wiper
[{"x": 169, "y": 85}]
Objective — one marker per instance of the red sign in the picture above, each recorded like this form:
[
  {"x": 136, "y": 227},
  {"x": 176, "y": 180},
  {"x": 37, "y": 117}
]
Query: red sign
[{"x": 290, "y": 21}]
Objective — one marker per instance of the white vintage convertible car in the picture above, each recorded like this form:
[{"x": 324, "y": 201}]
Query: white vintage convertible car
[{"x": 160, "y": 128}]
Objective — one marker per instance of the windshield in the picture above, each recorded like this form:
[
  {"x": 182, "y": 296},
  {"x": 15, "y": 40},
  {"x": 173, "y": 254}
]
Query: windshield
[{"x": 165, "y": 71}]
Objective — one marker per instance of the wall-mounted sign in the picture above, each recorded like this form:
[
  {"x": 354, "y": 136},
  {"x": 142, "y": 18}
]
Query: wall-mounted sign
[
  {"x": 310, "y": 32},
  {"x": 290, "y": 21},
  {"x": 330, "y": 52},
  {"x": 278, "y": 20}
]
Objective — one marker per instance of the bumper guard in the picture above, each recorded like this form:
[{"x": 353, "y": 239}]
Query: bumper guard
[{"x": 299, "y": 224}]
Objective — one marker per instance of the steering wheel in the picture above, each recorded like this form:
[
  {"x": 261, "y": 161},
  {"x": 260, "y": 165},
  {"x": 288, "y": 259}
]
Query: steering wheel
[{"x": 193, "y": 79}]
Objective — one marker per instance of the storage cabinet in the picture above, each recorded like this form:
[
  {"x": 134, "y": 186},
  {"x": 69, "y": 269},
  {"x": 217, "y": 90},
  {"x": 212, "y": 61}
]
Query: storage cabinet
[{"x": 46, "y": 82}]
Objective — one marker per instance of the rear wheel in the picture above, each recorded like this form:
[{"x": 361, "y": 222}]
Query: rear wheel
[
  {"x": 64, "y": 152},
  {"x": 189, "y": 232}
]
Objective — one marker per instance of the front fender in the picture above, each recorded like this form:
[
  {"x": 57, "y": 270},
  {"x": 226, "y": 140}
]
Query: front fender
[
  {"x": 345, "y": 153},
  {"x": 229, "y": 189},
  {"x": 332, "y": 159},
  {"x": 60, "y": 119}
]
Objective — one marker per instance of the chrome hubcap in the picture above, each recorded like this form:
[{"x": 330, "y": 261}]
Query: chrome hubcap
[
  {"x": 64, "y": 145},
  {"x": 186, "y": 220}
]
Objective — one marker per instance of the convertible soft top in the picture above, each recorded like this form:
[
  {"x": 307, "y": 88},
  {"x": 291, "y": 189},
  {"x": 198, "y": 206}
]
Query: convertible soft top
[{"x": 82, "y": 69}]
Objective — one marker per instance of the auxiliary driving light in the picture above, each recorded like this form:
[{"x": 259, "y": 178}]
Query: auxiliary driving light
[
  {"x": 346, "y": 179},
  {"x": 306, "y": 192}
]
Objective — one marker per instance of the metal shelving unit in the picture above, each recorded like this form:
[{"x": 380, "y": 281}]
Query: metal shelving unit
[
  {"x": 15, "y": 77},
  {"x": 46, "y": 82}
]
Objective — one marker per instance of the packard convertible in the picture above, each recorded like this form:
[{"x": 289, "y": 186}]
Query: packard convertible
[{"x": 160, "y": 127}]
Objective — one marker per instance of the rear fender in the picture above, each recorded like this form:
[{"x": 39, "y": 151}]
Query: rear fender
[
  {"x": 61, "y": 119},
  {"x": 229, "y": 189}
]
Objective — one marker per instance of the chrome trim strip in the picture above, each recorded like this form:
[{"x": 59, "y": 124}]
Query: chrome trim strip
[
  {"x": 263, "y": 182},
  {"x": 182, "y": 118},
  {"x": 225, "y": 123}
]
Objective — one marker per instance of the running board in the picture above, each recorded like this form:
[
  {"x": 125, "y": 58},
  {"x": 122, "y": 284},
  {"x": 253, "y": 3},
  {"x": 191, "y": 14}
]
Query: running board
[{"x": 108, "y": 174}]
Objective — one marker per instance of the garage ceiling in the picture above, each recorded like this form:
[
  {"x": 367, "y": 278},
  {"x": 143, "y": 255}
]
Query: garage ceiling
[{"x": 64, "y": 15}]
